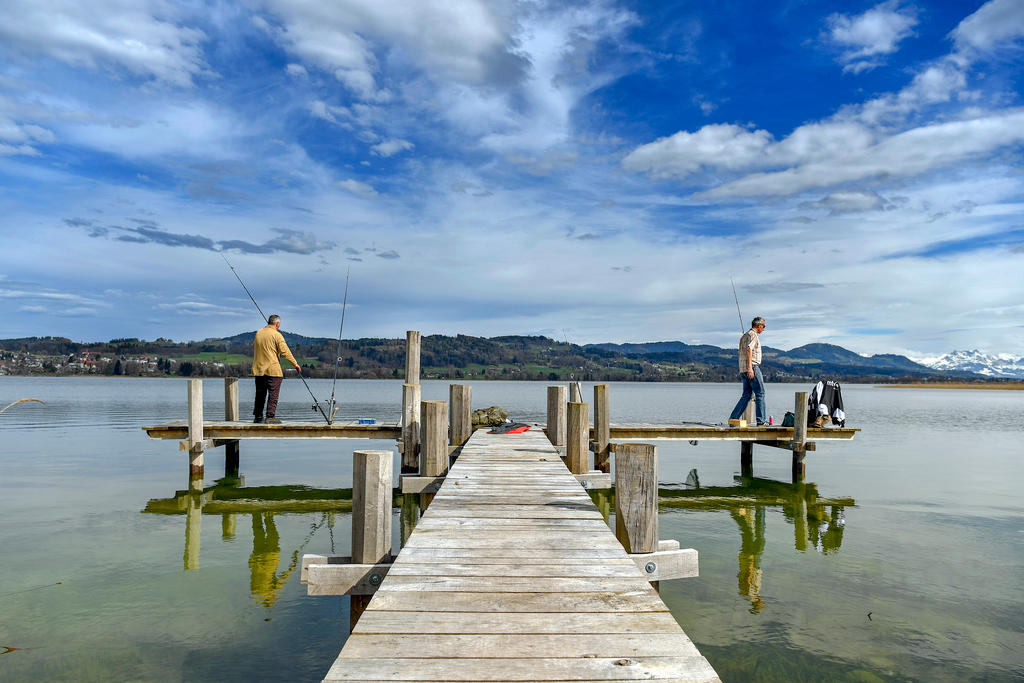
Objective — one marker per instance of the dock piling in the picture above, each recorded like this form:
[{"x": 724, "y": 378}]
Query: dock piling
[
  {"x": 460, "y": 413},
  {"x": 557, "y": 398},
  {"x": 433, "y": 443},
  {"x": 410, "y": 428},
  {"x": 576, "y": 449},
  {"x": 231, "y": 449},
  {"x": 602, "y": 428},
  {"x": 799, "y": 444},
  {"x": 195, "y": 427},
  {"x": 636, "y": 497},
  {"x": 576, "y": 392},
  {"x": 371, "y": 515},
  {"x": 412, "y": 357}
]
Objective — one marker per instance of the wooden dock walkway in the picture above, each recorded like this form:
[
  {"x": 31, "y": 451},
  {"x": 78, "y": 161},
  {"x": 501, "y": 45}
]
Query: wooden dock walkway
[{"x": 512, "y": 574}]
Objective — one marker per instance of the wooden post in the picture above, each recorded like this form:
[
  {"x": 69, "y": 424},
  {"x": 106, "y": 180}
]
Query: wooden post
[
  {"x": 556, "y": 415},
  {"x": 231, "y": 449},
  {"x": 576, "y": 451},
  {"x": 460, "y": 415},
  {"x": 750, "y": 414},
  {"x": 576, "y": 392},
  {"x": 371, "y": 515},
  {"x": 410, "y": 516},
  {"x": 193, "y": 522},
  {"x": 602, "y": 428},
  {"x": 433, "y": 443},
  {"x": 746, "y": 458},
  {"x": 799, "y": 435},
  {"x": 410, "y": 428},
  {"x": 412, "y": 357},
  {"x": 195, "y": 427},
  {"x": 636, "y": 497}
]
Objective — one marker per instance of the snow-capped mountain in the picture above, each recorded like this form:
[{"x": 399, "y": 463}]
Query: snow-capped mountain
[{"x": 999, "y": 365}]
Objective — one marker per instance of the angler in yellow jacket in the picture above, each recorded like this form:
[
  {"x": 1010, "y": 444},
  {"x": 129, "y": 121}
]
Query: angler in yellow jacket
[{"x": 266, "y": 347}]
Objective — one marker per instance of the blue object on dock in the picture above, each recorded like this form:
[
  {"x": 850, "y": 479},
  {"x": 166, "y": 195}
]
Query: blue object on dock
[{"x": 367, "y": 421}]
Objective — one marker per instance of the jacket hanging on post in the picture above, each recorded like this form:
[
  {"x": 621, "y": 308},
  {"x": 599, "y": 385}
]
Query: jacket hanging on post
[{"x": 826, "y": 401}]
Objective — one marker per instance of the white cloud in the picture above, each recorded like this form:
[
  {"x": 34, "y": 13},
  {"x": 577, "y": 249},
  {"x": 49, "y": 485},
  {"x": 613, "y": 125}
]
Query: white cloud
[
  {"x": 847, "y": 202},
  {"x": 994, "y": 23},
  {"x": 356, "y": 187},
  {"x": 296, "y": 70},
  {"x": 868, "y": 36},
  {"x": 391, "y": 147},
  {"x": 140, "y": 37},
  {"x": 724, "y": 146}
]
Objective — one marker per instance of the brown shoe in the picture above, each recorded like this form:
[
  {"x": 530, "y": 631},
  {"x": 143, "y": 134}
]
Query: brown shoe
[{"x": 272, "y": 421}]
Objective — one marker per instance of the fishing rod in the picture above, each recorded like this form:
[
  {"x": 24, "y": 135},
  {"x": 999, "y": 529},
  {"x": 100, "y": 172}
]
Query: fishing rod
[
  {"x": 316, "y": 403},
  {"x": 737, "y": 304},
  {"x": 337, "y": 358}
]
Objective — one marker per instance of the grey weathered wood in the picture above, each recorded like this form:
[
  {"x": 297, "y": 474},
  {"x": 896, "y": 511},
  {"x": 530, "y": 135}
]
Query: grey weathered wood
[
  {"x": 411, "y": 484},
  {"x": 195, "y": 426},
  {"x": 575, "y": 392},
  {"x": 345, "y": 578},
  {"x": 433, "y": 443},
  {"x": 577, "y": 425},
  {"x": 750, "y": 413},
  {"x": 594, "y": 480},
  {"x": 556, "y": 414},
  {"x": 412, "y": 357},
  {"x": 231, "y": 450},
  {"x": 371, "y": 506},
  {"x": 636, "y": 497},
  {"x": 511, "y": 574},
  {"x": 602, "y": 428},
  {"x": 460, "y": 407},
  {"x": 410, "y": 427},
  {"x": 799, "y": 434},
  {"x": 661, "y": 565}
]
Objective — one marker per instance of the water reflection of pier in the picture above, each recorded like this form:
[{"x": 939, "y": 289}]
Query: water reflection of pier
[
  {"x": 230, "y": 498},
  {"x": 818, "y": 522}
]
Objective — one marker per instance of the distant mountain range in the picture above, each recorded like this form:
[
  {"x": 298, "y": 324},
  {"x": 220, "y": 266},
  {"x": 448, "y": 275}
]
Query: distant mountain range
[
  {"x": 999, "y": 365},
  {"x": 507, "y": 357}
]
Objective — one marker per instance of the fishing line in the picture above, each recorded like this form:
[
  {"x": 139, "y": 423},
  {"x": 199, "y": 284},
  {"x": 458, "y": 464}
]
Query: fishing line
[
  {"x": 742, "y": 330},
  {"x": 29, "y": 590},
  {"x": 316, "y": 403},
  {"x": 337, "y": 357}
]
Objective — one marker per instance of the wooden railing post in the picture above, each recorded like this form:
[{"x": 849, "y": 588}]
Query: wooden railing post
[
  {"x": 231, "y": 449},
  {"x": 799, "y": 444},
  {"x": 602, "y": 428},
  {"x": 556, "y": 415},
  {"x": 410, "y": 428},
  {"x": 371, "y": 515},
  {"x": 460, "y": 415},
  {"x": 433, "y": 443},
  {"x": 636, "y": 497},
  {"x": 412, "y": 357},
  {"x": 195, "y": 427},
  {"x": 576, "y": 392},
  {"x": 576, "y": 448}
]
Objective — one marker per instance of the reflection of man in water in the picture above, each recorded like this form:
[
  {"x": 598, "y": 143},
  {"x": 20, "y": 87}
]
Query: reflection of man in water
[
  {"x": 266, "y": 555},
  {"x": 751, "y": 522}
]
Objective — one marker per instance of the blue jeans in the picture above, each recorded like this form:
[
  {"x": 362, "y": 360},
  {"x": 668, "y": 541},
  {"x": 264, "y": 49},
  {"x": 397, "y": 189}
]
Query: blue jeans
[{"x": 751, "y": 387}]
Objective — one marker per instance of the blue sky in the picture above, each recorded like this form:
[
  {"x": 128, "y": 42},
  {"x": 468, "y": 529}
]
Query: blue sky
[{"x": 590, "y": 170}]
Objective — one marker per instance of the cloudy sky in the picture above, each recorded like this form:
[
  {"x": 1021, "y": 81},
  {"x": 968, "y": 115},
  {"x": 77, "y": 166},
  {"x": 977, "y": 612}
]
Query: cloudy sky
[{"x": 592, "y": 170}]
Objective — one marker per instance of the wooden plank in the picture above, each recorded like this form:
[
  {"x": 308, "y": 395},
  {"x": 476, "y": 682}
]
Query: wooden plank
[
  {"x": 640, "y": 600},
  {"x": 573, "y": 569},
  {"x": 382, "y": 621},
  {"x": 532, "y": 669},
  {"x": 510, "y": 584},
  {"x": 516, "y": 646}
]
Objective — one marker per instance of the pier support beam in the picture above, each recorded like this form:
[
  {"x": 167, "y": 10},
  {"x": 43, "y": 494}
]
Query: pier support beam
[
  {"x": 412, "y": 357},
  {"x": 636, "y": 497},
  {"x": 371, "y": 515},
  {"x": 460, "y": 413},
  {"x": 231, "y": 450},
  {"x": 433, "y": 443},
  {"x": 602, "y": 428},
  {"x": 799, "y": 444},
  {"x": 577, "y": 454},
  {"x": 410, "y": 428},
  {"x": 747, "y": 458},
  {"x": 557, "y": 398},
  {"x": 195, "y": 428}
]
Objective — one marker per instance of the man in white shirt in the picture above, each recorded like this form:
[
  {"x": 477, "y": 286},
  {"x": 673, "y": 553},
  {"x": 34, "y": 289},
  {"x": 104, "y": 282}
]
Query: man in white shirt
[{"x": 750, "y": 373}]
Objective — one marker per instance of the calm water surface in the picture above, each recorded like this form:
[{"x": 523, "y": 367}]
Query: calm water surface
[{"x": 899, "y": 559}]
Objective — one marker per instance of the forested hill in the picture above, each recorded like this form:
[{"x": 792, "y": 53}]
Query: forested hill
[{"x": 458, "y": 357}]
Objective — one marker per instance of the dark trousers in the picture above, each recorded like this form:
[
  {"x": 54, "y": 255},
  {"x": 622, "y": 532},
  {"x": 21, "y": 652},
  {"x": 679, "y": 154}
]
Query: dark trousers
[{"x": 267, "y": 390}]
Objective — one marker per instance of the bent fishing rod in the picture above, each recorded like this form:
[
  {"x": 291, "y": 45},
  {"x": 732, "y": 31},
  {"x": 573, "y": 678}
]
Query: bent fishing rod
[
  {"x": 316, "y": 403},
  {"x": 742, "y": 330},
  {"x": 337, "y": 358}
]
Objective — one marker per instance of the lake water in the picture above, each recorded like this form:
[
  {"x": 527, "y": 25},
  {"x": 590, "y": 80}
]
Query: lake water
[{"x": 906, "y": 566}]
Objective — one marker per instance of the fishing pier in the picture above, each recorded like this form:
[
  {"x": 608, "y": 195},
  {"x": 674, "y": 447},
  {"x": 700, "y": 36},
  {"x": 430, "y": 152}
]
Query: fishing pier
[{"x": 508, "y": 568}]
